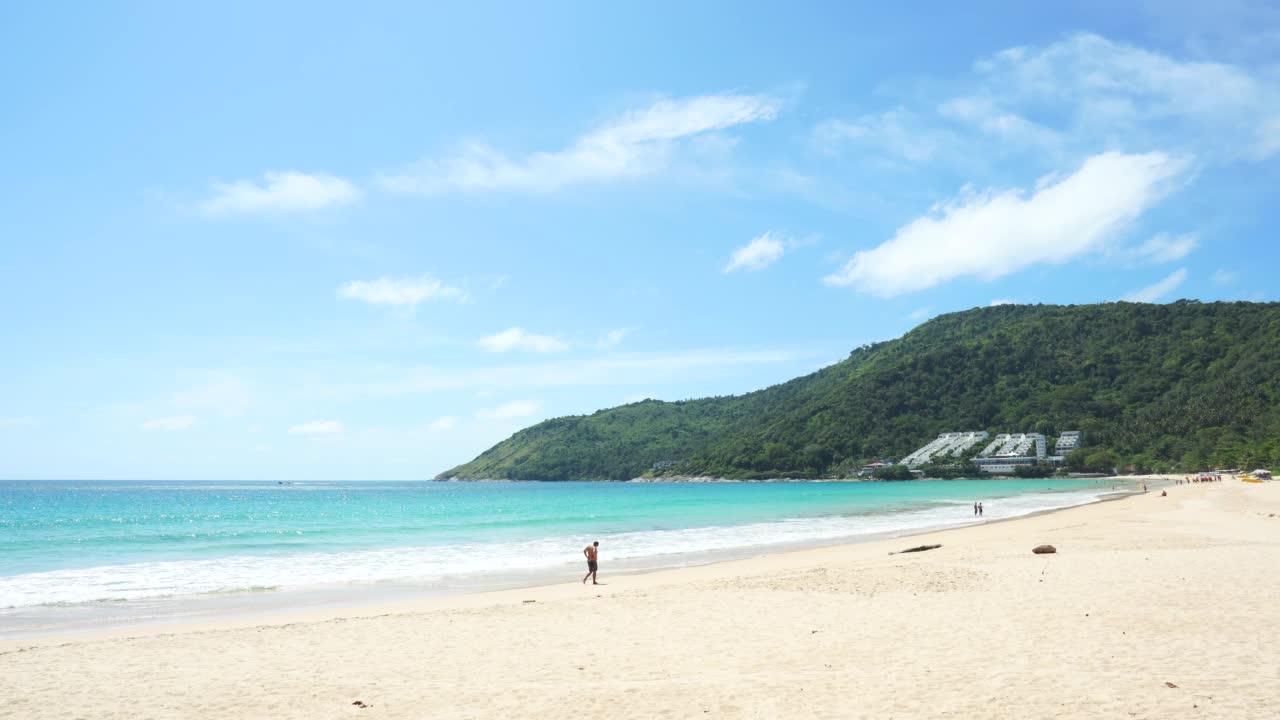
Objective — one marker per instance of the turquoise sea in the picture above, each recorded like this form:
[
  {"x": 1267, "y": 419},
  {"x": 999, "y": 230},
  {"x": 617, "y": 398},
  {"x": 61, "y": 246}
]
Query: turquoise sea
[{"x": 87, "y": 543}]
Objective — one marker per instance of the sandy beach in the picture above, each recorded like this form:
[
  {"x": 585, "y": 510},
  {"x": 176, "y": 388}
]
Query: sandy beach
[{"x": 1153, "y": 607}]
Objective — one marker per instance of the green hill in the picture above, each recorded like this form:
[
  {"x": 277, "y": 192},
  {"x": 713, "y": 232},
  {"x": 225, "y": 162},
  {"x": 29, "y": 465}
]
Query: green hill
[{"x": 1180, "y": 386}]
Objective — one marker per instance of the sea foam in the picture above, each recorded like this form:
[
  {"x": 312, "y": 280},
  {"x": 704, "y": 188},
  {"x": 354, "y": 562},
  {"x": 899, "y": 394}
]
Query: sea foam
[{"x": 477, "y": 560}]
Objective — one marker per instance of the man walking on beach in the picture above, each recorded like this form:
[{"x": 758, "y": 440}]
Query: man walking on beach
[{"x": 591, "y": 551}]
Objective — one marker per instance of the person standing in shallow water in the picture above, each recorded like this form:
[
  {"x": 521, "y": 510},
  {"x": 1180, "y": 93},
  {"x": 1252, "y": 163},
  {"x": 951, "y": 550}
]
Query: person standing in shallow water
[
  {"x": 975, "y": 508},
  {"x": 592, "y": 552},
  {"x": 979, "y": 508}
]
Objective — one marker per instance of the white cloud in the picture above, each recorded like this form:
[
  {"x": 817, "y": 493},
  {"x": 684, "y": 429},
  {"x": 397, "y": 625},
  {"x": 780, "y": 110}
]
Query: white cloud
[
  {"x": 638, "y": 143},
  {"x": 898, "y": 132},
  {"x": 1158, "y": 290},
  {"x": 177, "y": 422},
  {"x": 614, "y": 370},
  {"x": 1112, "y": 90},
  {"x": 400, "y": 292},
  {"x": 1060, "y": 102},
  {"x": 986, "y": 115},
  {"x": 1223, "y": 276},
  {"x": 1166, "y": 248},
  {"x": 448, "y": 422},
  {"x": 758, "y": 254},
  {"x": 510, "y": 411},
  {"x": 255, "y": 428},
  {"x": 317, "y": 427},
  {"x": 14, "y": 422},
  {"x": 281, "y": 192},
  {"x": 613, "y": 338},
  {"x": 991, "y": 234},
  {"x": 1268, "y": 142},
  {"x": 517, "y": 339},
  {"x": 222, "y": 393},
  {"x": 1002, "y": 301}
]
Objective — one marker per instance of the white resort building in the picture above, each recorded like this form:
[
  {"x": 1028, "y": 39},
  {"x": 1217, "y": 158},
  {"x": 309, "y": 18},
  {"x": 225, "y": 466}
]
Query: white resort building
[
  {"x": 1003, "y": 455},
  {"x": 952, "y": 444},
  {"x": 1007, "y": 452},
  {"x": 1069, "y": 440}
]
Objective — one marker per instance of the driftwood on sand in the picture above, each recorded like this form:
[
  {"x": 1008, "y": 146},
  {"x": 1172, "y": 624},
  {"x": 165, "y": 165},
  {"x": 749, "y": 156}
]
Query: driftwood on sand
[{"x": 918, "y": 548}]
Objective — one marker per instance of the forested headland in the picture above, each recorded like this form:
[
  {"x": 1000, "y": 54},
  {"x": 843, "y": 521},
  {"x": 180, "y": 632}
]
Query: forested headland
[{"x": 1176, "y": 387}]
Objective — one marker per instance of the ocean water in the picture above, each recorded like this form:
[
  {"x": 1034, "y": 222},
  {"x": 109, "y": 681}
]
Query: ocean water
[{"x": 85, "y": 543}]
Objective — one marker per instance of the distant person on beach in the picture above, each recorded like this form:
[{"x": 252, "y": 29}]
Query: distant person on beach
[
  {"x": 975, "y": 508},
  {"x": 591, "y": 551},
  {"x": 980, "y": 508}
]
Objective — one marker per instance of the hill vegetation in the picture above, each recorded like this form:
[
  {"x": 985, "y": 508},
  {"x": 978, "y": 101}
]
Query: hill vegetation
[{"x": 1175, "y": 387}]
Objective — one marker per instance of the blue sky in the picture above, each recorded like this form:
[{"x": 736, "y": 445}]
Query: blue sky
[{"x": 307, "y": 241}]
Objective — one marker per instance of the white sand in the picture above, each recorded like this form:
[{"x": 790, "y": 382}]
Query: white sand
[{"x": 1143, "y": 591}]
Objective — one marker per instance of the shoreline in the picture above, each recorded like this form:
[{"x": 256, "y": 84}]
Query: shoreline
[
  {"x": 1152, "y": 607},
  {"x": 1153, "y": 477},
  {"x": 326, "y": 602},
  {"x": 173, "y": 611}
]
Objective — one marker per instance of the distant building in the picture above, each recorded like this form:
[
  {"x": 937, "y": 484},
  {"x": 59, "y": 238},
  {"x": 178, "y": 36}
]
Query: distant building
[
  {"x": 1003, "y": 466},
  {"x": 1003, "y": 455},
  {"x": 952, "y": 444},
  {"x": 1069, "y": 440},
  {"x": 665, "y": 464},
  {"x": 1009, "y": 451},
  {"x": 1015, "y": 445}
]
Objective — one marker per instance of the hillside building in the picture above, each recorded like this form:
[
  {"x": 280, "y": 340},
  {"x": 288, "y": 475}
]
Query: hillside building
[
  {"x": 1009, "y": 451},
  {"x": 1069, "y": 440},
  {"x": 1002, "y": 455},
  {"x": 952, "y": 444}
]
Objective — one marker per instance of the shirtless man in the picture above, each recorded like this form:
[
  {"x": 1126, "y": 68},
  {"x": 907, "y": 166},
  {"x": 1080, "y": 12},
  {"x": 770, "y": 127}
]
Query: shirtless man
[{"x": 591, "y": 551}]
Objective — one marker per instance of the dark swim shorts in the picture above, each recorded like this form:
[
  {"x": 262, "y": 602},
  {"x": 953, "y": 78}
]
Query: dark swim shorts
[{"x": 591, "y": 566}]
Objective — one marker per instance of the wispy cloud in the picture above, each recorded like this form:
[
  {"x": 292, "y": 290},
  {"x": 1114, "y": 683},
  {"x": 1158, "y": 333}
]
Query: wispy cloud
[
  {"x": 1112, "y": 89},
  {"x": 517, "y": 339},
  {"x": 1223, "y": 276},
  {"x": 317, "y": 427},
  {"x": 899, "y": 133},
  {"x": 400, "y": 292},
  {"x": 17, "y": 422},
  {"x": 1063, "y": 101},
  {"x": 1158, "y": 290},
  {"x": 758, "y": 254},
  {"x": 991, "y": 234},
  {"x": 510, "y": 411},
  {"x": 990, "y": 118},
  {"x": 638, "y": 143},
  {"x": 224, "y": 393},
  {"x": 613, "y": 338},
  {"x": 920, "y": 313},
  {"x": 177, "y": 422},
  {"x": 643, "y": 369},
  {"x": 444, "y": 424},
  {"x": 1163, "y": 247},
  {"x": 280, "y": 192}
]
